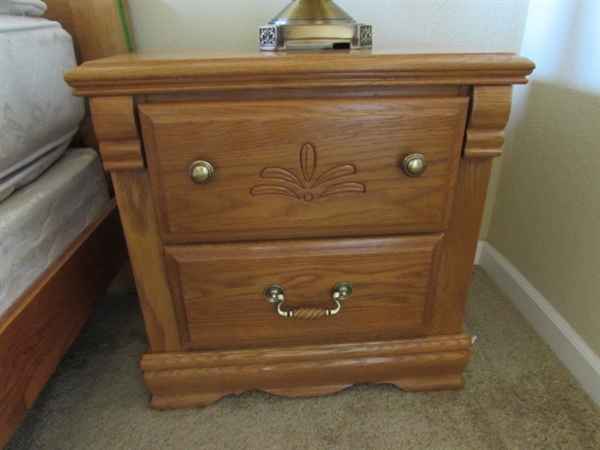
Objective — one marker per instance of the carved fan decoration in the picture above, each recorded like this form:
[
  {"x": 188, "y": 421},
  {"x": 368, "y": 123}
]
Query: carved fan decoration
[{"x": 307, "y": 187}]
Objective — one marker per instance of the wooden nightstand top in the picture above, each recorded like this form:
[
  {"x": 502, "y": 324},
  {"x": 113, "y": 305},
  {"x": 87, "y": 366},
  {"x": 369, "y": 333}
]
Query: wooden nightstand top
[{"x": 166, "y": 71}]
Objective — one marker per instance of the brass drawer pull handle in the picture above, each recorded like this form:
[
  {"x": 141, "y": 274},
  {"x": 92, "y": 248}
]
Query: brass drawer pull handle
[
  {"x": 201, "y": 172},
  {"x": 274, "y": 293},
  {"x": 414, "y": 165}
]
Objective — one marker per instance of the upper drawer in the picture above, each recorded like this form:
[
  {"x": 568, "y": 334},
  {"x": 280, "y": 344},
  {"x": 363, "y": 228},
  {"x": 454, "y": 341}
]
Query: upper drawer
[{"x": 302, "y": 168}]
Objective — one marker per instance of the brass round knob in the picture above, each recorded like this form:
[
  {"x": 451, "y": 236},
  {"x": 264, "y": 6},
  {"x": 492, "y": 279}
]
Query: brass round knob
[
  {"x": 414, "y": 165},
  {"x": 201, "y": 172}
]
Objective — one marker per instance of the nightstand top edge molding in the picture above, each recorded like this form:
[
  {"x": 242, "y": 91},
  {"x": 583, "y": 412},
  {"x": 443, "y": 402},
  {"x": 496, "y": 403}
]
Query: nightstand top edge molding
[{"x": 155, "y": 71}]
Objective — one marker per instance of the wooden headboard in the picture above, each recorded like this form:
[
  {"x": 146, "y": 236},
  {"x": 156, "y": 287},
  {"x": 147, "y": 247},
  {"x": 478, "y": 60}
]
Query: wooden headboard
[{"x": 100, "y": 28}]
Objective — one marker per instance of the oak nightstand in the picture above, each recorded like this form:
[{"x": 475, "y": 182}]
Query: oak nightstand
[{"x": 298, "y": 223}]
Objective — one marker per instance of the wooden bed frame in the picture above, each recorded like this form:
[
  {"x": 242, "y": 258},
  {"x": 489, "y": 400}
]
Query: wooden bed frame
[{"x": 37, "y": 330}]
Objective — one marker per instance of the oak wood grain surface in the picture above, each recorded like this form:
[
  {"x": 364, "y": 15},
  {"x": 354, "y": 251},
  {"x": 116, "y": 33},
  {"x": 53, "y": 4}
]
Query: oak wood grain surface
[
  {"x": 220, "y": 290},
  {"x": 37, "y": 331},
  {"x": 302, "y": 168},
  {"x": 96, "y": 26},
  {"x": 145, "y": 253},
  {"x": 115, "y": 125},
  {"x": 307, "y": 192},
  {"x": 183, "y": 71},
  {"x": 199, "y": 378},
  {"x": 489, "y": 115}
]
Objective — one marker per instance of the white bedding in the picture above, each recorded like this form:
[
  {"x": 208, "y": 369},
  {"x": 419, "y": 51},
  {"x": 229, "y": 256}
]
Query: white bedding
[
  {"x": 23, "y": 7},
  {"x": 38, "y": 114},
  {"x": 39, "y": 221}
]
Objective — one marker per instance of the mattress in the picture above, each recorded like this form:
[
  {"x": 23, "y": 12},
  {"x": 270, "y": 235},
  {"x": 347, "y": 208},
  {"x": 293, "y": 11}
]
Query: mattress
[
  {"x": 38, "y": 114},
  {"x": 23, "y": 7},
  {"x": 39, "y": 221}
]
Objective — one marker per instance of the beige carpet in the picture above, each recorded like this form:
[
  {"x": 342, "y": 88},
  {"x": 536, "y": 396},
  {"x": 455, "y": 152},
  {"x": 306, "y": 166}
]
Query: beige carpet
[{"x": 518, "y": 396}]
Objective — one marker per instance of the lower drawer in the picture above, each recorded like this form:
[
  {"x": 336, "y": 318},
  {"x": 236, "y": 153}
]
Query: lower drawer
[{"x": 219, "y": 291}]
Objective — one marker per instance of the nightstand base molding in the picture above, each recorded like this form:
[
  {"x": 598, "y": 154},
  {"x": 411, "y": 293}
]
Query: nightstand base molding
[{"x": 180, "y": 380}]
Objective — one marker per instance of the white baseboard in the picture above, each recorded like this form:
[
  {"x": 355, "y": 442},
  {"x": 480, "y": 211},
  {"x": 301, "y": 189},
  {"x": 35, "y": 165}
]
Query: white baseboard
[{"x": 574, "y": 353}]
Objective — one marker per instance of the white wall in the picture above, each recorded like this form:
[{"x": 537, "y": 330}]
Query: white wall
[
  {"x": 546, "y": 219},
  {"x": 490, "y": 25}
]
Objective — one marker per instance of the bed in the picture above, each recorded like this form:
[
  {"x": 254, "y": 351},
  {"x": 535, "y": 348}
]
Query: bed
[{"x": 61, "y": 239}]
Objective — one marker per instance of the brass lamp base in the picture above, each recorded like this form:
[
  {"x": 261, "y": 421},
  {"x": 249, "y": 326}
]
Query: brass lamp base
[{"x": 314, "y": 23}]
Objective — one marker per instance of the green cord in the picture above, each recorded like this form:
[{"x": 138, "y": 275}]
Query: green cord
[{"x": 125, "y": 26}]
